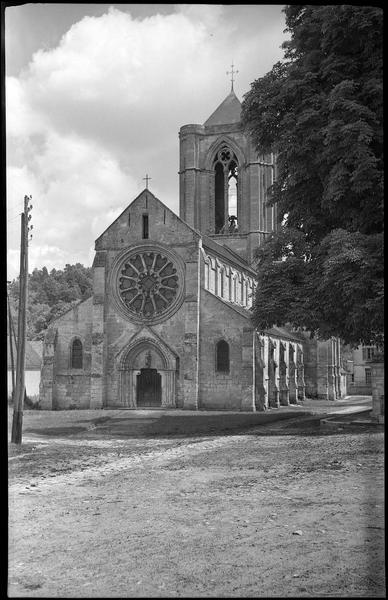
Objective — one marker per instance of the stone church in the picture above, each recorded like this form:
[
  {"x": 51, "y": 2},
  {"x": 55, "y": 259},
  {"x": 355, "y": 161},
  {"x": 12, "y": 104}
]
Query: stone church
[{"x": 169, "y": 321}]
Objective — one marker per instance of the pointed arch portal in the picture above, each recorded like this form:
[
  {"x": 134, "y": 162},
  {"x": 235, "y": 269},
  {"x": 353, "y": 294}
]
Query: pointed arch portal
[{"x": 147, "y": 375}]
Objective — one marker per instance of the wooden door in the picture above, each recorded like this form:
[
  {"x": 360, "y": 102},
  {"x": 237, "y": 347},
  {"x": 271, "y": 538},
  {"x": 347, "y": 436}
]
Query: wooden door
[{"x": 149, "y": 388}]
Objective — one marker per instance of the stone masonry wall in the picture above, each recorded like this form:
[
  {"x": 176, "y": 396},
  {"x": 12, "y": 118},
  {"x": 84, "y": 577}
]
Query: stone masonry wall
[
  {"x": 197, "y": 198},
  {"x": 179, "y": 331},
  {"x": 71, "y": 387},
  {"x": 233, "y": 390}
]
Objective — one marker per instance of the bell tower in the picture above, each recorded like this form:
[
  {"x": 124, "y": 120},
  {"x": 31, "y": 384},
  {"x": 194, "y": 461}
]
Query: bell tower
[{"x": 224, "y": 181}]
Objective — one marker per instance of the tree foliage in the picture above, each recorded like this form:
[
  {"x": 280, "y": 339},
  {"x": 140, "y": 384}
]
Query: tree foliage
[
  {"x": 321, "y": 111},
  {"x": 50, "y": 295}
]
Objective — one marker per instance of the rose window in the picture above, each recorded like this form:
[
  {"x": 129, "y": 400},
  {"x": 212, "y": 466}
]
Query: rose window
[{"x": 148, "y": 284}]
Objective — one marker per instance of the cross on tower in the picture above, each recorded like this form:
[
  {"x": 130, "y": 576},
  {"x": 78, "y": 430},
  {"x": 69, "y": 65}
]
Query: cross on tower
[
  {"x": 232, "y": 73},
  {"x": 147, "y": 179}
]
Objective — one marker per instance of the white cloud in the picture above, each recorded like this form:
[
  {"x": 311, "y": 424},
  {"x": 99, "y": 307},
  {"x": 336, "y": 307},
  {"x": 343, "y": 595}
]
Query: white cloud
[
  {"x": 74, "y": 184},
  {"x": 87, "y": 119}
]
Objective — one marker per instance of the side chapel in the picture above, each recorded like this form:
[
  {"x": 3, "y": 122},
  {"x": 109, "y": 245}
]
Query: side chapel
[{"x": 169, "y": 322}]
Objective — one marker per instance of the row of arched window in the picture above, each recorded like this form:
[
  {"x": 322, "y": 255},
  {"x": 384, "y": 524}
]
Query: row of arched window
[
  {"x": 227, "y": 283},
  {"x": 294, "y": 353},
  {"x": 222, "y": 362}
]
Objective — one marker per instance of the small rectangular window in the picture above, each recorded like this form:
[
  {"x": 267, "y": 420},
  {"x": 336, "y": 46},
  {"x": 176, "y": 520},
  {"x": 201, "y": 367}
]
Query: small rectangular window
[
  {"x": 145, "y": 227},
  {"x": 368, "y": 352},
  {"x": 368, "y": 378}
]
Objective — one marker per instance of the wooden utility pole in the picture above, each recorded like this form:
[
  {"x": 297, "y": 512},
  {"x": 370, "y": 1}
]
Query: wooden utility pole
[
  {"x": 11, "y": 336},
  {"x": 17, "y": 422}
]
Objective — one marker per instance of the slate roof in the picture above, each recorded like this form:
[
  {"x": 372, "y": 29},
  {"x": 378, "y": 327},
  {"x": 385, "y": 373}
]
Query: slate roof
[
  {"x": 245, "y": 312},
  {"x": 280, "y": 332},
  {"x": 34, "y": 352},
  {"x": 229, "y": 111},
  {"x": 283, "y": 332}
]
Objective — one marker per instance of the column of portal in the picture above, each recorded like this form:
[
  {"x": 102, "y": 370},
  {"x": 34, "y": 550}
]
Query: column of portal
[
  {"x": 285, "y": 393},
  {"x": 292, "y": 383},
  {"x": 277, "y": 373},
  {"x": 330, "y": 372},
  {"x": 300, "y": 373},
  {"x": 266, "y": 384}
]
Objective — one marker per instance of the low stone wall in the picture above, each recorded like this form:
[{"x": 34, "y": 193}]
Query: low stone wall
[
  {"x": 378, "y": 399},
  {"x": 359, "y": 390}
]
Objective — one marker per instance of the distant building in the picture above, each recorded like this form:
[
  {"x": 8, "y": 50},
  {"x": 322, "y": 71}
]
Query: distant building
[
  {"x": 33, "y": 365},
  {"x": 360, "y": 371}
]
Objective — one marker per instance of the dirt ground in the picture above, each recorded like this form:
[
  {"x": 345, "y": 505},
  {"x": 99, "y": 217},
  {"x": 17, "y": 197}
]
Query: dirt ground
[{"x": 279, "y": 509}]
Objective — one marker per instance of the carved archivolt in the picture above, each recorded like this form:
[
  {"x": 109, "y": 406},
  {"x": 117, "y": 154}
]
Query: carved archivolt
[
  {"x": 218, "y": 146},
  {"x": 160, "y": 356}
]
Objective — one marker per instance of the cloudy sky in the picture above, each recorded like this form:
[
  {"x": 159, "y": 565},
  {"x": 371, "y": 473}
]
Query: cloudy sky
[{"x": 95, "y": 97}]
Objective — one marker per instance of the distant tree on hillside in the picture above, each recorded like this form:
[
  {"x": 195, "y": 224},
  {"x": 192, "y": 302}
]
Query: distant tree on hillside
[{"x": 50, "y": 294}]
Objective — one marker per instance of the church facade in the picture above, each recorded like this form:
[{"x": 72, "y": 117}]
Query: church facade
[{"x": 169, "y": 321}]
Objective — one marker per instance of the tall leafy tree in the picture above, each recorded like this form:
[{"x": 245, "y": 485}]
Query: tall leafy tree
[{"x": 321, "y": 111}]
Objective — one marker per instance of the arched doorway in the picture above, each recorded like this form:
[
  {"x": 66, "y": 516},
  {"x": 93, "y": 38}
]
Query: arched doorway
[
  {"x": 148, "y": 388},
  {"x": 147, "y": 375}
]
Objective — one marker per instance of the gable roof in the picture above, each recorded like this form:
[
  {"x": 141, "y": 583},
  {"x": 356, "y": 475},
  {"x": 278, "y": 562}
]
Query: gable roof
[
  {"x": 229, "y": 111},
  {"x": 33, "y": 355},
  {"x": 37, "y": 346},
  {"x": 244, "y": 312},
  {"x": 209, "y": 244},
  {"x": 148, "y": 193},
  {"x": 284, "y": 332}
]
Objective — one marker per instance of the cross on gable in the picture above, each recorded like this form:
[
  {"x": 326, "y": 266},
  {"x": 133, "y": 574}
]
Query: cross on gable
[
  {"x": 232, "y": 73},
  {"x": 147, "y": 179}
]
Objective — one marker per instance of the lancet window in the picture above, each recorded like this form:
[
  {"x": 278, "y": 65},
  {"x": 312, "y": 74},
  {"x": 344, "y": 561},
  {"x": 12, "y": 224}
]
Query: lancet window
[
  {"x": 226, "y": 187},
  {"x": 222, "y": 356},
  {"x": 76, "y": 354}
]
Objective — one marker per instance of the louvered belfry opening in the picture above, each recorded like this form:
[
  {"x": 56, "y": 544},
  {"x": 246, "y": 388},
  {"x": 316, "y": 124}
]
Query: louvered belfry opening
[
  {"x": 219, "y": 198},
  {"x": 225, "y": 191}
]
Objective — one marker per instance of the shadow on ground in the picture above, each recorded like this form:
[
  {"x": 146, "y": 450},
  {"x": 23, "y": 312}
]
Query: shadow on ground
[{"x": 182, "y": 426}]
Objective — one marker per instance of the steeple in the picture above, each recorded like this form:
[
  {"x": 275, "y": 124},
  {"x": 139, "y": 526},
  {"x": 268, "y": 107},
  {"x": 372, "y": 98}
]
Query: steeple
[
  {"x": 224, "y": 180},
  {"x": 232, "y": 73},
  {"x": 229, "y": 111}
]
